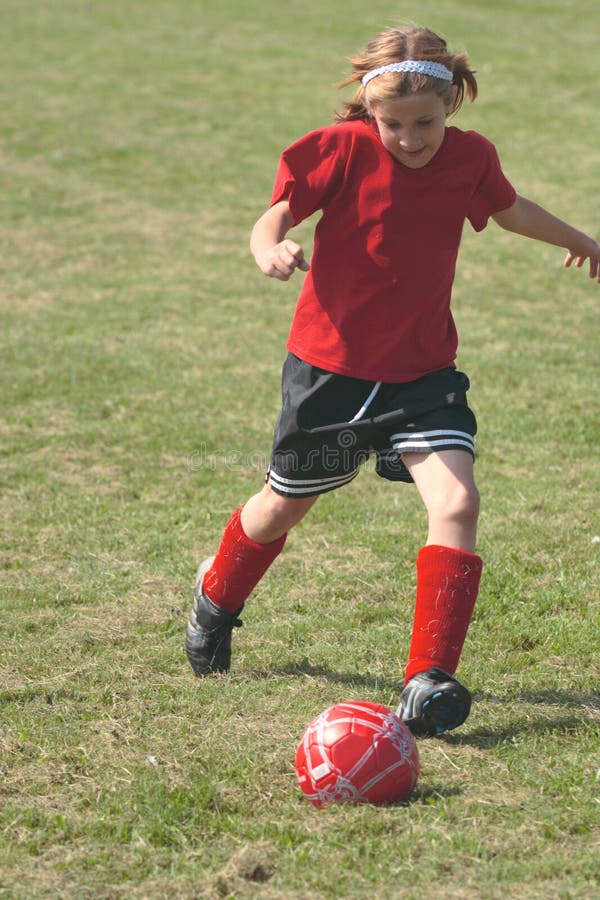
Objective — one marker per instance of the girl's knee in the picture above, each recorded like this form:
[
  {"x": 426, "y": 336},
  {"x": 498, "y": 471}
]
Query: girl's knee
[
  {"x": 280, "y": 512},
  {"x": 267, "y": 515},
  {"x": 288, "y": 510},
  {"x": 461, "y": 503},
  {"x": 471, "y": 503}
]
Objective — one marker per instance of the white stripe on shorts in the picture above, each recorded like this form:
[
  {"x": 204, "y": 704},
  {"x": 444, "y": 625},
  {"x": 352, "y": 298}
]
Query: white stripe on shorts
[
  {"x": 427, "y": 441},
  {"x": 309, "y": 485}
]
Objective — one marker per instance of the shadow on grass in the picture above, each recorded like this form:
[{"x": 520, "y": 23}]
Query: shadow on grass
[
  {"x": 569, "y": 723},
  {"x": 427, "y": 794},
  {"x": 307, "y": 670},
  {"x": 430, "y": 794},
  {"x": 545, "y": 697},
  {"x": 564, "y": 699},
  {"x": 479, "y": 737},
  {"x": 486, "y": 738}
]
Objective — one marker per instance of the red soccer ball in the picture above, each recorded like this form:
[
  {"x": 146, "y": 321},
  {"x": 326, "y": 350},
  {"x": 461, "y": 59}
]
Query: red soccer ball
[{"x": 357, "y": 752}]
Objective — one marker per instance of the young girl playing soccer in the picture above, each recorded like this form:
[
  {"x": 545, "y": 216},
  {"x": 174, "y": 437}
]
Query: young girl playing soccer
[{"x": 370, "y": 368}]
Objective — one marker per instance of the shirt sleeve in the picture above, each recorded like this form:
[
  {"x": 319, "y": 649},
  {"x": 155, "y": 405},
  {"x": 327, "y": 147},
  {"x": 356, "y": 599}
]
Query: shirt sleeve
[
  {"x": 309, "y": 172},
  {"x": 493, "y": 193}
]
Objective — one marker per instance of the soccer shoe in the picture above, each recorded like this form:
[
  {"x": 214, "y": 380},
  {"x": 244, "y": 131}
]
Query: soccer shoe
[
  {"x": 208, "y": 632},
  {"x": 433, "y": 702}
]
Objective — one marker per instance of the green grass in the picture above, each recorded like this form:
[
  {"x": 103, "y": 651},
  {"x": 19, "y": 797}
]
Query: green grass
[{"x": 140, "y": 362}]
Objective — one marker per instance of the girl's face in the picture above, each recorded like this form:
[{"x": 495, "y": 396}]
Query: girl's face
[{"x": 412, "y": 128}]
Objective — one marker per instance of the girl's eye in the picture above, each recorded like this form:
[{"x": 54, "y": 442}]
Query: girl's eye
[{"x": 398, "y": 124}]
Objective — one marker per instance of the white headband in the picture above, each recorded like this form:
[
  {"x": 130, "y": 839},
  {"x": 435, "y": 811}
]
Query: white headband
[{"x": 421, "y": 66}]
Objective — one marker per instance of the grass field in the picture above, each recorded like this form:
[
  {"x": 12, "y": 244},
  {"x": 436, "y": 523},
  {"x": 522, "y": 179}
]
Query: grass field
[{"x": 140, "y": 360}]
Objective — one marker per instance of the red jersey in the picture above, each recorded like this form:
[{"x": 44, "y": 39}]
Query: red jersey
[{"x": 376, "y": 302}]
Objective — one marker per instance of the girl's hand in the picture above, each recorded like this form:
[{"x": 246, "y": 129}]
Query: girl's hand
[
  {"x": 281, "y": 260},
  {"x": 579, "y": 256}
]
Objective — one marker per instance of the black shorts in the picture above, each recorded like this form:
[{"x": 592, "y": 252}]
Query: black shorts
[{"x": 331, "y": 424}]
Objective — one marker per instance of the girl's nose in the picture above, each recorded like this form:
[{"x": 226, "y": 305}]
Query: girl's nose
[{"x": 410, "y": 142}]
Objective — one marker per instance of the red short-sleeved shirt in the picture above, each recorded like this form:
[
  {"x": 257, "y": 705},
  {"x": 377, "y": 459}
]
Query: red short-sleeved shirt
[{"x": 376, "y": 301}]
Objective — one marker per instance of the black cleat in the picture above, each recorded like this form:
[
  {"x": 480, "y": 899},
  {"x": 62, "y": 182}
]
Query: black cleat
[
  {"x": 208, "y": 632},
  {"x": 433, "y": 702}
]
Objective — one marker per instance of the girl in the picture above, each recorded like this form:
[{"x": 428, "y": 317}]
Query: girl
[{"x": 370, "y": 368}]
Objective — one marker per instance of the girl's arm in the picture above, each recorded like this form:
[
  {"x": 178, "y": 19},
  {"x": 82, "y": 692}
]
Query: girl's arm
[
  {"x": 527, "y": 218},
  {"x": 275, "y": 256}
]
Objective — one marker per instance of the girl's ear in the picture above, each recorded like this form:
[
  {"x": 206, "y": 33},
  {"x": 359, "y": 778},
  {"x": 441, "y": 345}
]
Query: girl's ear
[{"x": 452, "y": 105}]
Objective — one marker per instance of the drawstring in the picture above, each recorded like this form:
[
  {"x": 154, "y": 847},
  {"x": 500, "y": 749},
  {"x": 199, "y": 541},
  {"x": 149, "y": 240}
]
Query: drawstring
[{"x": 366, "y": 404}]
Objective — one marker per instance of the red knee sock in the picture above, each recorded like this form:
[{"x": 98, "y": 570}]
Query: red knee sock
[
  {"x": 239, "y": 565},
  {"x": 447, "y": 586}
]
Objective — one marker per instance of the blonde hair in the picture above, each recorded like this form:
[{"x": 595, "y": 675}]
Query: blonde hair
[{"x": 397, "y": 45}]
